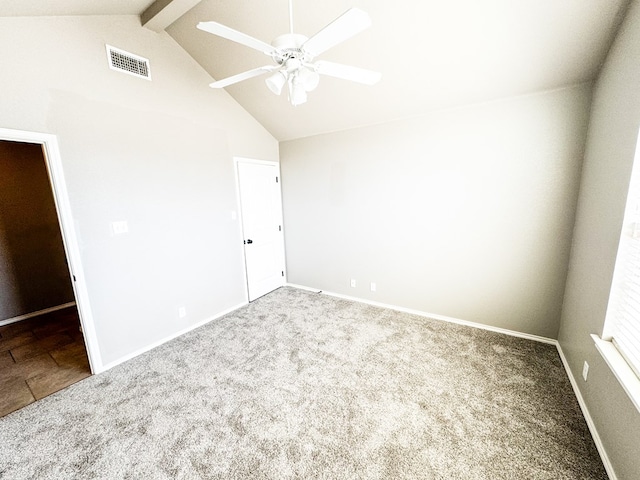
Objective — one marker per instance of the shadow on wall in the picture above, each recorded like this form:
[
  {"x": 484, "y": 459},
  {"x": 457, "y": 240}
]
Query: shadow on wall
[{"x": 33, "y": 269}]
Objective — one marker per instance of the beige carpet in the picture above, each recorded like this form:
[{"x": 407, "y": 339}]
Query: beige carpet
[{"x": 300, "y": 385}]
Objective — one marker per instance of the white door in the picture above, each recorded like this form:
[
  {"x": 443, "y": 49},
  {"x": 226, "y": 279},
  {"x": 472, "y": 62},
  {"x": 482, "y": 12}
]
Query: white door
[{"x": 261, "y": 207}]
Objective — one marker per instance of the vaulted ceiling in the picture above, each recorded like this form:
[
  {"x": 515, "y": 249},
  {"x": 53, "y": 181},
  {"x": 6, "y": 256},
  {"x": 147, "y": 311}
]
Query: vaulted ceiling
[{"x": 433, "y": 54}]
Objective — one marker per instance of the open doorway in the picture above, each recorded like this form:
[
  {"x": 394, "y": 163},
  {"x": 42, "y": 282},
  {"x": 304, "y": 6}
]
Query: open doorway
[{"x": 42, "y": 348}]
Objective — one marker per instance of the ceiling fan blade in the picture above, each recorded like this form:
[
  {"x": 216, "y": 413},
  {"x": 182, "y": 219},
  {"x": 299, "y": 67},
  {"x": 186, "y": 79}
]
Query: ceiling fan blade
[
  {"x": 243, "y": 76},
  {"x": 347, "y": 25},
  {"x": 236, "y": 36},
  {"x": 347, "y": 72}
]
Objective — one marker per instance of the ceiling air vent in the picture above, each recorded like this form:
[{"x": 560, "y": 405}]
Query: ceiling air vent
[{"x": 128, "y": 63}]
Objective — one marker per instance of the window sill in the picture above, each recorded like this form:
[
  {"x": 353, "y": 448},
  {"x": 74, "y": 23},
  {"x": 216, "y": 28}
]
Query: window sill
[{"x": 618, "y": 365}]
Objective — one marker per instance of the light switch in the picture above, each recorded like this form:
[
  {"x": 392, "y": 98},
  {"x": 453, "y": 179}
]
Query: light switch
[{"x": 119, "y": 227}]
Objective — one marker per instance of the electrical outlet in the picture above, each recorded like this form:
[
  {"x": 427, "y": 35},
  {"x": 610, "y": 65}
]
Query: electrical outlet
[
  {"x": 182, "y": 312},
  {"x": 373, "y": 287},
  {"x": 585, "y": 371},
  {"x": 353, "y": 282}
]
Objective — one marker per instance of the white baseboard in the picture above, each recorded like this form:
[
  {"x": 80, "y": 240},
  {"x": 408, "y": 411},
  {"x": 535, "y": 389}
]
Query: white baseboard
[
  {"x": 302, "y": 287},
  {"x": 587, "y": 416},
  {"x": 145, "y": 349},
  {"x": 26, "y": 316},
  {"x": 433, "y": 316}
]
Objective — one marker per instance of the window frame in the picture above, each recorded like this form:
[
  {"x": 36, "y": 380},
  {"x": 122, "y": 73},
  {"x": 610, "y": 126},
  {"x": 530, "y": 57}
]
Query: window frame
[
  {"x": 627, "y": 375},
  {"x": 620, "y": 368}
]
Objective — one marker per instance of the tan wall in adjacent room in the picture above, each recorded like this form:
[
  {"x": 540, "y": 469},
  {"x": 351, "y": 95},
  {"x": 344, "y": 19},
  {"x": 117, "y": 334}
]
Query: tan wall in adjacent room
[{"x": 33, "y": 269}]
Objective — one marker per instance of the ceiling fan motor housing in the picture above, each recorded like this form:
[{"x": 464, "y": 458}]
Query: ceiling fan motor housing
[{"x": 289, "y": 46}]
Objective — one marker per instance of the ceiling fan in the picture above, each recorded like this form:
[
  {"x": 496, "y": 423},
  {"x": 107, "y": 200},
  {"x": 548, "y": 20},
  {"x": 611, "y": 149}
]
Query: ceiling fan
[{"x": 293, "y": 55}]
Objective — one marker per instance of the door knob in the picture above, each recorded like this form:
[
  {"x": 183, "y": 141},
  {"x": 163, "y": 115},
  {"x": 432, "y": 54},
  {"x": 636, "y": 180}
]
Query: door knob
[{"x": 249, "y": 241}]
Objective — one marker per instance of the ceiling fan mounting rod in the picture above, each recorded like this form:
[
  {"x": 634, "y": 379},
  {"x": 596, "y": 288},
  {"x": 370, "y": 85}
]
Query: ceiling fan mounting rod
[{"x": 291, "y": 16}]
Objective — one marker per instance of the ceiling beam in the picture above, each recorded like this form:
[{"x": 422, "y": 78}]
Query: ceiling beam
[{"x": 163, "y": 13}]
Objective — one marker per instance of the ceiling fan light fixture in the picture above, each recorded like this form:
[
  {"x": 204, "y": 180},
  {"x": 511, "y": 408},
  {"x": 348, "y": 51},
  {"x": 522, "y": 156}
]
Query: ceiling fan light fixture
[
  {"x": 297, "y": 93},
  {"x": 276, "y": 81},
  {"x": 309, "y": 79}
]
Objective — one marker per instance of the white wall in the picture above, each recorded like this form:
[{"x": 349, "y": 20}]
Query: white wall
[
  {"x": 613, "y": 132},
  {"x": 466, "y": 213},
  {"x": 157, "y": 154}
]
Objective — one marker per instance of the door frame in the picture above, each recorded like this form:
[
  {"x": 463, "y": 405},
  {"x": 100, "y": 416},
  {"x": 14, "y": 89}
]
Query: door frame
[
  {"x": 236, "y": 162},
  {"x": 55, "y": 172}
]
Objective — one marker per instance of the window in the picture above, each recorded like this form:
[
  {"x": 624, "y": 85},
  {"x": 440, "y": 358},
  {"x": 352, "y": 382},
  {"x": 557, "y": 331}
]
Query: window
[{"x": 620, "y": 343}]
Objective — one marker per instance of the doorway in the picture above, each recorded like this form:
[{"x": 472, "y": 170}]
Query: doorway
[
  {"x": 262, "y": 228},
  {"x": 44, "y": 339}
]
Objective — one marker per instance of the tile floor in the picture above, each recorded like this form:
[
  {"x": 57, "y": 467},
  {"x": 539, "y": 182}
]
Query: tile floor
[{"x": 40, "y": 356}]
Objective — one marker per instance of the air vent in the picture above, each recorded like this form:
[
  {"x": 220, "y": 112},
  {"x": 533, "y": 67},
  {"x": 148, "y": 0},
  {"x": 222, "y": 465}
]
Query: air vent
[{"x": 128, "y": 63}]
